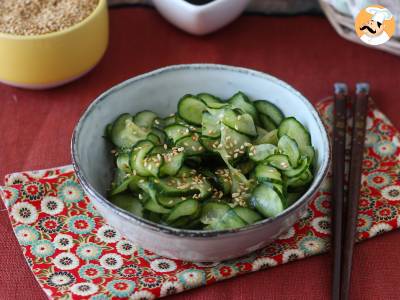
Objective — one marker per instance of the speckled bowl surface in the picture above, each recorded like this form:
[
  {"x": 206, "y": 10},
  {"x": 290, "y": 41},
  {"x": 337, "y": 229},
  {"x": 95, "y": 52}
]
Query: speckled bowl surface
[{"x": 160, "y": 91}]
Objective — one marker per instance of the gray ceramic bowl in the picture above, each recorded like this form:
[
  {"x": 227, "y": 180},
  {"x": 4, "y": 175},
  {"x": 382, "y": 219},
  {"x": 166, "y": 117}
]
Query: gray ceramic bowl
[{"x": 160, "y": 91}]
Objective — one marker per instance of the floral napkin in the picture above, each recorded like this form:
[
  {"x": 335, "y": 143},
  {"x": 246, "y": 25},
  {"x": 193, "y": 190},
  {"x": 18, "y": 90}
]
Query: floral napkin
[{"x": 74, "y": 254}]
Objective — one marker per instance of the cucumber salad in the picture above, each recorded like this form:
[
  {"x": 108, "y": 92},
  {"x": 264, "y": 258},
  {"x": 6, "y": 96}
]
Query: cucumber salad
[{"x": 213, "y": 165}]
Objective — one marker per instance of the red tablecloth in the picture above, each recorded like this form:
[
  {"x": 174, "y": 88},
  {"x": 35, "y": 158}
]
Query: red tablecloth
[{"x": 36, "y": 127}]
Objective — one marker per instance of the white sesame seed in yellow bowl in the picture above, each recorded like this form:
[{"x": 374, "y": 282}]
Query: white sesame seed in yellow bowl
[{"x": 44, "y": 44}]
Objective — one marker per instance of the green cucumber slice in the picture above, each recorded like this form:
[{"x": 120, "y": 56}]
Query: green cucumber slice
[
  {"x": 267, "y": 173},
  {"x": 266, "y": 122},
  {"x": 293, "y": 197},
  {"x": 208, "y": 99},
  {"x": 241, "y": 101},
  {"x": 210, "y": 125},
  {"x": 279, "y": 161},
  {"x": 152, "y": 205},
  {"x": 229, "y": 220},
  {"x": 304, "y": 163},
  {"x": 190, "y": 108},
  {"x": 160, "y": 133},
  {"x": 271, "y": 110},
  {"x": 176, "y": 131},
  {"x": 169, "y": 120},
  {"x": 266, "y": 201},
  {"x": 248, "y": 215},
  {"x": 213, "y": 211},
  {"x": 153, "y": 138},
  {"x": 261, "y": 152},
  {"x": 269, "y": 138},
  {"x": 138, "y": 156},
  {"x": 289, "y": 147},
  {"x": 123, "y": 162},
  {"x": 121, "y": 186},
  {"x": 295, "y": 130},
  {"x": 125, "y": 133},
  {"x": 145, "y": 118},
  {"x": 191, "y": 145},
  {"x": 170, "y": 201},
  {"x": 173, "y": 161},
  {"x": 210, "y": 144},
  {"x": 242, "y": 123},
  {"x": 233, "y": 142},
  {"x": 128, "y": 203},
  {"x": 108, "y": 131},
  {"x": 186, "y": 208}
]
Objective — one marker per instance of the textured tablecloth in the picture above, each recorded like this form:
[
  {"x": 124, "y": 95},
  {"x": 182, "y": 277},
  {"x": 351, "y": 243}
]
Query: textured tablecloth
[{"x": 36, "y": 127}]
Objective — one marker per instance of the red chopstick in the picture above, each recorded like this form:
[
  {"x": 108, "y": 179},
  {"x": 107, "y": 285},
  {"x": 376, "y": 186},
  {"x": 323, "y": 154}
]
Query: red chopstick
[
  {"x": 360, "y": 109},
  {"x": 338, "y": 159}
]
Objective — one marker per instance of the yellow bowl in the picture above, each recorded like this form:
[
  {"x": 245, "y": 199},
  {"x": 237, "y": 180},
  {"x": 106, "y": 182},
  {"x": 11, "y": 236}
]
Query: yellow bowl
[{"x": 53, "y": 59}]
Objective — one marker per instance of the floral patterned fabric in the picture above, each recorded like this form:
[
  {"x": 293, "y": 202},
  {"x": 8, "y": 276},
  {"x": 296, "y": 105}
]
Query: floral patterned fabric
[{"x": 74, "y": 254}]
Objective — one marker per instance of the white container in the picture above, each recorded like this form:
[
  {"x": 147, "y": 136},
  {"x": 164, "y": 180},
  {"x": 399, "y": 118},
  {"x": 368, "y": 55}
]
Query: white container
[
  {"x": 160, "y": 91},
  {"x": 200, "y": 19}
]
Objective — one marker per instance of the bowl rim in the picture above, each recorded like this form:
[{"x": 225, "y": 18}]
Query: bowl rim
[
  {"x": 187, "y": 232},
  {"x": 35, "y": 37}
]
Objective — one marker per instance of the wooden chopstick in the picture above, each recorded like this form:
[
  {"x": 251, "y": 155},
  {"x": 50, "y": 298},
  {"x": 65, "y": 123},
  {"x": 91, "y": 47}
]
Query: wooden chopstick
[
  {"x": 360, "y": 109},
  {"x": 338, "y": 158}
]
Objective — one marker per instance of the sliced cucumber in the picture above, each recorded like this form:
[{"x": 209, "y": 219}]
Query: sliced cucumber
[
  {"x": 210, "y": 125},
  {"x": 170, "y": 201},
  {"x": 229, "y": 220},
  {"x": 295, "y": 130},
  {"x": 293, "y": 197},
  {"x": 160, "y": 133},
  {"x": 121, "y": 186},
  {"x": 169, "y": 120},
  {"x": 173, "y": 161},
  {"x": 138, "y": 156},
  {"x": 208, "y": 99},
  {"x": 300, "y": 181},
  {"x": 145, "y": 118},
  {"x": 247, "y": 214},
  {"x": 261, "y": 152},
  {"x": 108, "y": 131},
  {"x": 233, "y": 142},
  {"x": 153, "y": 138},
  {"x": 191, "y": 145},
  {"x": 271, "y": 110},
  {"x": 190, "y": 108},
  {"x": 125, "y": 133},
  {"x": 128, "y": 203},
  {"x": 176, "y": 132},
  {"x": 241, "y": 101},
  {"x": 266, "y": 201},
  {"x": 304, "y": 163},
  {"x": 213, "y": 211},
  {"x": 266, "y": 122},
  {"x": 242, "y": 123},
  {"x": 267, "y": 173},
  {"x": 289, "y": 147},
  {"x": 269, "y": 138},
  {"x": 123, "y": 162},
  {"x": 279, "y": 161},
  {"x": 186, "y": 208},
  {"x": 152, "y": 205},
  {"x": 210, "y": 144}
]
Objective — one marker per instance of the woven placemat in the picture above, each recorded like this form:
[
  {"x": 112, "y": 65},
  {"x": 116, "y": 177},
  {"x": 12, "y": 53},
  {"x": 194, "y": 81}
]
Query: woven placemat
[{"x": 74, "y": 254}]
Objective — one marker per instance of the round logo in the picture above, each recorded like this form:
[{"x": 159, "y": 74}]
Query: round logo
[{"x": 375, "y": 25}]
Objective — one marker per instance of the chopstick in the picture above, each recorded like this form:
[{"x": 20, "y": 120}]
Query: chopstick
[
  {"x": 338, "y": 158},
  {"x": 360, "y": 109}
]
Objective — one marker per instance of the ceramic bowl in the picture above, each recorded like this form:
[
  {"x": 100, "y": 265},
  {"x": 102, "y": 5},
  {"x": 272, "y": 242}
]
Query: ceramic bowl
[
  {"x": 52, "y": 59},
  {"x": 200, "y": 19},
  {"x": 160, "y": 91}
]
